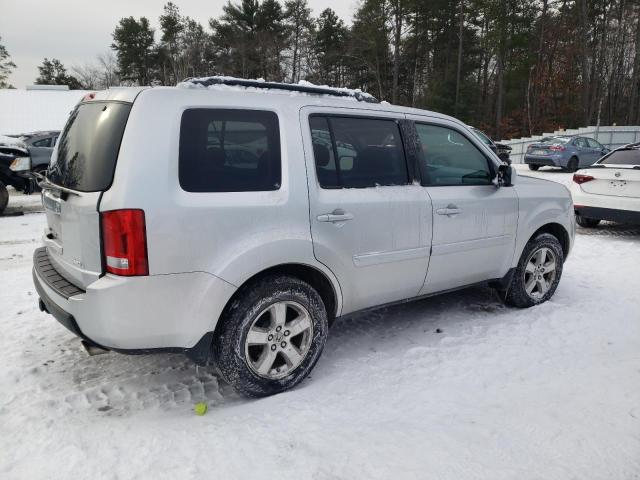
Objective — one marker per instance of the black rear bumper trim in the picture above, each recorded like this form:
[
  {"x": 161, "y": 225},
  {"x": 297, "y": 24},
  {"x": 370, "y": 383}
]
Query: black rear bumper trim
[
  {"x": 609, "y": 214},
  {"x": 49, "y": 275}
]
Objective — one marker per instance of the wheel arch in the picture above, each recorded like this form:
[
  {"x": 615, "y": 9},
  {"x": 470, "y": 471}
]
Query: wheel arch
[
  {"x": 327, "y": 288},
  {"x": 558, "y": 231}
]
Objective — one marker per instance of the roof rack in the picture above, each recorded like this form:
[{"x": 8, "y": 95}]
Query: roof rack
[{"x": 291, "y": 87}]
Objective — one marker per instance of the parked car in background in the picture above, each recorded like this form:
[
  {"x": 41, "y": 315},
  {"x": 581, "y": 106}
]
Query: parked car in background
[
  {"x": 567, "y": 152},
  {"x": 609, "y": 189},
  {"x": 40, "y": 145},
  {"x": 262, "y": 216},
  {"x": 502, "y": 150},
  {"x": 15, "y": 169}
]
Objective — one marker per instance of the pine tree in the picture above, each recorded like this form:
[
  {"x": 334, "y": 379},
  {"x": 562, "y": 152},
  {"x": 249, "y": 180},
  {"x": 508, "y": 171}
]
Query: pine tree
[
  {"x": 6, "y": 66},
  {"x": 53, "y": 72},
  {"x": 134, "y": 46}
]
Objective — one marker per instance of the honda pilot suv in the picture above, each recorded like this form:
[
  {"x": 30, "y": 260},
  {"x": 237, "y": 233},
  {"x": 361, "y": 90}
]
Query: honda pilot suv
[{"x": 235, "y": 220}]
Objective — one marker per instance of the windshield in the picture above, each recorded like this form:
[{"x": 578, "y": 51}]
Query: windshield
[
  {"x": 88, "y": 147},
  {"x": 629, "y": 156},
  {"x": 482, "y": 136}
]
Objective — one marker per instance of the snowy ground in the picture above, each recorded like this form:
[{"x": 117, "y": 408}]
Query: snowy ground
[{"x": 552, "y": 392}]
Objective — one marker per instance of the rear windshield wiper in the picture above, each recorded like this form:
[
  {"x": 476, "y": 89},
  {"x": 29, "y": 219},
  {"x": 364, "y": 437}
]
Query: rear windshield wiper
[{"x": 47, "y": 184}]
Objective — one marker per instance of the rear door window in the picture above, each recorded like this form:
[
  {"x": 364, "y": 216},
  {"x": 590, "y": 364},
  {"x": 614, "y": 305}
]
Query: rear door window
[
  {"x": 449, "y": 158},
  {"x": 358, "y": 152},
  {"x": 88, "y": 146},
  {"x": 225, "y": 150},
  {"x": 593, "y": 144},
  {"x": 45, "y": 142}
]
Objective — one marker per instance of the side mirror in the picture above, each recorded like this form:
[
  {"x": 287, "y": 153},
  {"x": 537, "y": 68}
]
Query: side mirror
[{"x": 507, "y": 175}]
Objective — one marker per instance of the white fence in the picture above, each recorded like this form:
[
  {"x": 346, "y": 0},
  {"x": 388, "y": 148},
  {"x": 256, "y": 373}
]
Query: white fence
[{"x": 609, "y": 136}]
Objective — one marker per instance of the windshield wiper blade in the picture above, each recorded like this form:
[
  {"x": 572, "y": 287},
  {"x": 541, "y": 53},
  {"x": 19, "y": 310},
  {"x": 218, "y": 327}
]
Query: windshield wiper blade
[{"x": 46, "y": 184}]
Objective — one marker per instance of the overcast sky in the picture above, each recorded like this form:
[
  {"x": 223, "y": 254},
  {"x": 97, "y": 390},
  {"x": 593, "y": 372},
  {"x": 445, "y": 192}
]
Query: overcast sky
[{"x": 75, "y": 31}]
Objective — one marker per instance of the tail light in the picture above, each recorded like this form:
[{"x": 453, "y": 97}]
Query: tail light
[
  {"x": 124, "y": 240},
  {"x": 557, "y": 148},
  {"x": 580, "y": 179}
]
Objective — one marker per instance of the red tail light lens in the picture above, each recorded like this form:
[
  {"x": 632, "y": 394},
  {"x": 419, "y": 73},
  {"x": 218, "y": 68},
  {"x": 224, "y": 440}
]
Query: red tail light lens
[
  {"x": 557, "y": 148},
  {"x": 580, "y": 179},
  {"x": 124, "y": 240}
]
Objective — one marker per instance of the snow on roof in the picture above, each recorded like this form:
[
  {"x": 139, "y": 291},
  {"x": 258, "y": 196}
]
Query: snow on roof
[
  {"x": 303, "y": 87},
  {"x": 11, "y": 141},
  {"x": 23, "y": 111}
]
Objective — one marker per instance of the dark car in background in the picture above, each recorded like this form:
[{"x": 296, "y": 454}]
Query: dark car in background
[
  {"x": 15, "y": 169},
  {"x": 568, "y": 152},
  {"x": 502, "y": 150}
]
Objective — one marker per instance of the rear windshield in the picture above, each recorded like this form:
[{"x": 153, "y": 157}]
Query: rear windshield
[
  {"x": 622, "y": 157},
  {"x": 555, "y": 140},
  {"x": 88, "y": 147}
]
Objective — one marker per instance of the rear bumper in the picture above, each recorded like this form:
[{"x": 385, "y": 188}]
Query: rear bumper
[
  {"x": 610, "y": 214},
  {"x": 163, "y": 313},
  {"x": 542, "y": 161}
]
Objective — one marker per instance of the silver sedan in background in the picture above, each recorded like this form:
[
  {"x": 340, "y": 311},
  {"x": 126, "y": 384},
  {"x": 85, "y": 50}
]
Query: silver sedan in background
[{"x": 566, "y": 152}]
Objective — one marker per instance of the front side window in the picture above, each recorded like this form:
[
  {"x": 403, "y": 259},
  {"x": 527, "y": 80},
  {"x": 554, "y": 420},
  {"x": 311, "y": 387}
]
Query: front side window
[
  {"x": 447, "y": 157},
  {"x": 593, "y": 144},
  {"x": 357, "y": 152},
  {"x": 229, "y": 151}
]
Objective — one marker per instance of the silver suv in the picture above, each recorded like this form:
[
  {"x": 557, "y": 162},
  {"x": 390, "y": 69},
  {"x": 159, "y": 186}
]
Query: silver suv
[{"x": 234, "y": 221}]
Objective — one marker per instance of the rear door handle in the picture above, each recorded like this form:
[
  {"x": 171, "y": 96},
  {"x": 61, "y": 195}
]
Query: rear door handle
[
  {"x": 449, "y": 211},
  {"x": 338, "y": 215}
]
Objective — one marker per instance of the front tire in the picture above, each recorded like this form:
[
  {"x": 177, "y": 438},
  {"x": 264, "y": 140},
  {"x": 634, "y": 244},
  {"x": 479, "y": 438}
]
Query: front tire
[
  {"x": 538, "y": 272},
  {"x": 4, "y": 197},
  {"x": 533, "y": 167},
  {"x": 585, "y": 222},
  {"x": 271, "y": 336}
]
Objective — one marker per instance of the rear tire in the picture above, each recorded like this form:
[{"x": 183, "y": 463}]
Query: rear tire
[
  {"x": 271, "y": 336},
  {"x": 572, "y": 164},
  {"x": 534, "y": 167},
  {"x": 4, "y": 197},
  {"x": 538, "y": 272},
  {"x": 585, "y": 222}
]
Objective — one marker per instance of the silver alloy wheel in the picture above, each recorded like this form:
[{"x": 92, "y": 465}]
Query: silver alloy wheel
[
  {"x": 278, "y": 340},
  {"x": 540, "y": 272}
]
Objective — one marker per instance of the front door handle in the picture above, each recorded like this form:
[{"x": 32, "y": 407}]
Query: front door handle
[
  {"x": 338, "y": 215},
  {"x": 449, "y": 211}
]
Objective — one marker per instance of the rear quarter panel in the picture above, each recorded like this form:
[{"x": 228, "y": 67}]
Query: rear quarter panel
[{"x": 231, "y": 235}]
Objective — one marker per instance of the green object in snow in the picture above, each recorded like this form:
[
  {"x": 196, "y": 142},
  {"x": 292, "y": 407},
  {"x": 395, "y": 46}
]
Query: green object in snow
[{"x": 200, "y": 408}]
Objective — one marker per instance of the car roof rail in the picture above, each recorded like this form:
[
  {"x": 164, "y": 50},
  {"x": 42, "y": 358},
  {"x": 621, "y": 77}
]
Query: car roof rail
[{"x": 291, "y": 87}]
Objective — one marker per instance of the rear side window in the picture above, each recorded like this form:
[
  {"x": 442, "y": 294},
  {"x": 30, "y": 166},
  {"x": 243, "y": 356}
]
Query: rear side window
[
  {"x": 449, "y": 158},
  {"x": 45, "y": 142},
  {"x": 88, "y": 147},
  {"x": 622, "y": 157},
  {"x": 229, "y": 151},
  {"x": 358, "y": 152}
]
